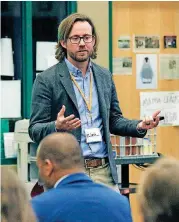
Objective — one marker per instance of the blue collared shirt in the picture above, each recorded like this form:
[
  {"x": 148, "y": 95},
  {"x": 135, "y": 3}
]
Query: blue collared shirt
[{"x": 97, "y": 149}]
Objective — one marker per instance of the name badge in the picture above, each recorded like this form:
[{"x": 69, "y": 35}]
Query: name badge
[{"x": 93, "y": 135}]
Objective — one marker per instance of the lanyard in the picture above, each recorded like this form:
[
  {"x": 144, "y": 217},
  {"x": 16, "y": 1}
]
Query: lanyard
[{"x": 88, "y": 104}]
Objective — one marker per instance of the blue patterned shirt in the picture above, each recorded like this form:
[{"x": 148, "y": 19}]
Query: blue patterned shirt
[{"x": 96, "y": 149}]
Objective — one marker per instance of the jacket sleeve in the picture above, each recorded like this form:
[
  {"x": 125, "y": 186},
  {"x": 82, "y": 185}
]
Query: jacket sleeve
[
  {"x": 40, "y": 121},
  {"x": 118, "y": 124}
]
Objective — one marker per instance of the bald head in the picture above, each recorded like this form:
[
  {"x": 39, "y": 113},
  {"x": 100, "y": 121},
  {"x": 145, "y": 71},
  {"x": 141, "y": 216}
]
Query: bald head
[{"x": 61, "y": 148}]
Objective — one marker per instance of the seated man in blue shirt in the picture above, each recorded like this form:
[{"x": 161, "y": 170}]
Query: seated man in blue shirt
[{"x": 72, "y": 196}]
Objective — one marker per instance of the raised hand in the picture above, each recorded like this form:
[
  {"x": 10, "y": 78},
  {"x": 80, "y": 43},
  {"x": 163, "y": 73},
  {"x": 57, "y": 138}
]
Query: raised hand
[
  {"x": 66, "y": 123},
  {"x": 149, "y": 122}
]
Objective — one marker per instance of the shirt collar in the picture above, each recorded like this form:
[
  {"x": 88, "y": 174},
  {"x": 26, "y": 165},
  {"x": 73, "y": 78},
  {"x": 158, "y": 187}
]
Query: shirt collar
[
  {"x": 74, "y": 70},
  {"x": 62, "y": 178}
]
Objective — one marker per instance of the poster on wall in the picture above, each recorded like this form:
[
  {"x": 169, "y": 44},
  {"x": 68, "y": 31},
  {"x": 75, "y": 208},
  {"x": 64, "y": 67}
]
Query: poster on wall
[
  {"x": 124, "y": 42},
  {"x": 166, "y": 101},
  {"x": 170, "y": 41},
  {"x": 169, "y": 66},
  {"x": 146, "y": 43},
  {"x": 122, "y": 66},
  {"x": 146, "y": 71}
]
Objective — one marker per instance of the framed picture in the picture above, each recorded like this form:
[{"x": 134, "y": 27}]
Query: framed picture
[
  {"x": 146, "y": 43},
  {"x": 122, "y": 65},
  {"x": 169, "y": 66},
  {"x": 124, "y": 42},
  {"x": 170, "y": 42}
]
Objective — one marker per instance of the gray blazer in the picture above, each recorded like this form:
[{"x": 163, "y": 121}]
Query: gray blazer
[{"x": 53, "y": 88}]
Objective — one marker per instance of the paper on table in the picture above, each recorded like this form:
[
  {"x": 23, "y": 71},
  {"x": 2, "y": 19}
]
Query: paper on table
[{"x": 10, "y": 150}]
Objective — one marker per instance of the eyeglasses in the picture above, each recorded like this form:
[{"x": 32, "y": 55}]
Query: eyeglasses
[{"x": 77, "y": 39}]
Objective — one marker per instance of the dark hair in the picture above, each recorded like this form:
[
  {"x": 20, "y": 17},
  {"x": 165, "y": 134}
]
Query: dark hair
[{"x": 64, "y": 30}]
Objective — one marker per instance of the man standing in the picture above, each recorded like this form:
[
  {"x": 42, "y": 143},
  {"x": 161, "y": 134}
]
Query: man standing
[
  {"x": 79, "y": 96},
  {"x": 72, "y": 196}
]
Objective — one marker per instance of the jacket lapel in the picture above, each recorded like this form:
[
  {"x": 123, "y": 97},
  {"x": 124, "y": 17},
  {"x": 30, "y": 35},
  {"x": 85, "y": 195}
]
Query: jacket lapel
[
  {"x": 99, "y": 80},
  {"x": 68, "y": 85},
  {"x": 66, "y": 82}
]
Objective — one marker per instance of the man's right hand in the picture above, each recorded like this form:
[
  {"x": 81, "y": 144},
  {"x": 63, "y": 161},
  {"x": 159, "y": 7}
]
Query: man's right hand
[{"x": 66, "y": 123}]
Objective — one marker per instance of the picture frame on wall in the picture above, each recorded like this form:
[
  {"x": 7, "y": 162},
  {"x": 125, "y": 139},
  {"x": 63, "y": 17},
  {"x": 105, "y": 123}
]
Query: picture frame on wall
[
  {"x": 146, "y": 71},
  {"x": 146, "y": 43},
  {"x": 169, "y": 66},
  {"x": 170, "y": 41},
  {"x": 122, "y": 65},
  {"x": 124, "y": 42}
]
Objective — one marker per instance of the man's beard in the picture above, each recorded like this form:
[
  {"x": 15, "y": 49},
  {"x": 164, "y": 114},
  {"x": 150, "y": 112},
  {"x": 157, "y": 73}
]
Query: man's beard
[
  {"x": 78, "y": 58},
  {"x": 48, "y": 186},
  {"x": 45, "y": 183}
]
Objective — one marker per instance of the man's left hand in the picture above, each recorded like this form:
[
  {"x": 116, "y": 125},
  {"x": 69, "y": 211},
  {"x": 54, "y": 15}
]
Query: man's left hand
[{"x": 149, "y": 122}]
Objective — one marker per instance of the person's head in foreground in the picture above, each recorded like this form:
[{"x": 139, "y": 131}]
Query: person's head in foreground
[
  {"x": 72, "y": 196},
  {"x": 58, "y": 155},
  {"x": 15, "y": 206},
  {"x": 158, "y": 192}
]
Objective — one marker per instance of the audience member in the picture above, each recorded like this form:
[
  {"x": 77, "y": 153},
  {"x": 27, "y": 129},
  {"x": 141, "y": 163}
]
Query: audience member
[
  {"x": 159, "y": 192},
  {"x": 15, "y": 206},
  {"x": 71, "y": 195}
]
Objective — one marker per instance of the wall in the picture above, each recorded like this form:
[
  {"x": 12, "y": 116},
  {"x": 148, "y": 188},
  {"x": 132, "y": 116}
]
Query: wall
[
  {"x": 100, "y": 19},
  {"x": 145, "y": 18}
]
